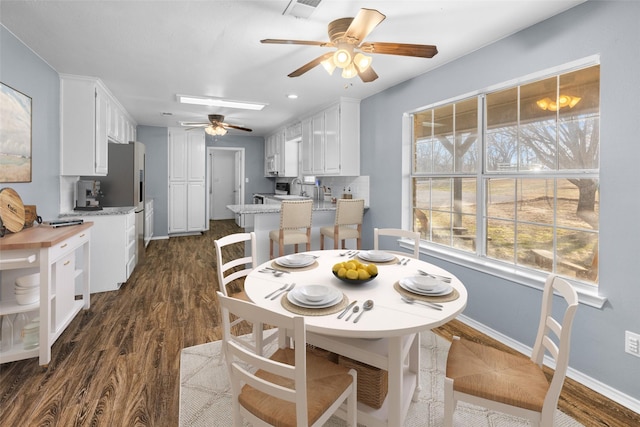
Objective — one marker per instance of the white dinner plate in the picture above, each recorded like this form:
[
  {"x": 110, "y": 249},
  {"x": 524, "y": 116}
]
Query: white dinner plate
[
  {"x": 296, "y": 297},
  {"x": 295, "y": 260},
  {"x": 438, "y": 289},
  {"x": 376, "y": 256}
]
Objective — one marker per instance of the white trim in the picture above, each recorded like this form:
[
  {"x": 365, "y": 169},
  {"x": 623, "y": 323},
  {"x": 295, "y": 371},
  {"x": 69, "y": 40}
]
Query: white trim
[{"x": 617, "y": 396}]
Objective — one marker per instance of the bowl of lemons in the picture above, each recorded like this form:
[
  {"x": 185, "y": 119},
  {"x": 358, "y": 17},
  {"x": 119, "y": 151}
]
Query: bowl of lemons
[{"x": 355, "y": 272}]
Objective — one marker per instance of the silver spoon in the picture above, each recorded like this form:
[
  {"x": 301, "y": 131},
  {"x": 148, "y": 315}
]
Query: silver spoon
[
  {"x": 410, "y": 300},
  {"x": 355, "y": 310},
  {"x": 368, "y": 305}
]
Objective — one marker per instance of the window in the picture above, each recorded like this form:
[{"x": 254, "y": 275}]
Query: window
[{"x": 511, "y": 175}]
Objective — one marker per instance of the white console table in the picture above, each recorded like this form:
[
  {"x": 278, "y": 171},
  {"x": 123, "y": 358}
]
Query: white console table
[{"x": 61, "y": 256}]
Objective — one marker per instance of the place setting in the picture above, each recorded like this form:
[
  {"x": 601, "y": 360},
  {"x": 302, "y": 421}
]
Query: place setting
[
  {"x": 378, "y": 257},
  {"x": 314, "y": 300},
  {"x": 428, "y": 289},
  {"x": 295, "y": 262}
]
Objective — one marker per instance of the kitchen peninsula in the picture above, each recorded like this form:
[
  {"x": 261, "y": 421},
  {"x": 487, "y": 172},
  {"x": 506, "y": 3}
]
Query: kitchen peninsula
[{"x": 266, "y": 217}]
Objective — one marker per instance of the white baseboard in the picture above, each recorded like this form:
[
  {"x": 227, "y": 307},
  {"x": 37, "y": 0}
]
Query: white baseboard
[{"x": 595, "y": 385}]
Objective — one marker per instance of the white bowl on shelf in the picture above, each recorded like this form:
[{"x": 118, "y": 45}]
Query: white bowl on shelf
[
  {"x": 28, "y": 281},
  {"x": 26, "y": 299}
]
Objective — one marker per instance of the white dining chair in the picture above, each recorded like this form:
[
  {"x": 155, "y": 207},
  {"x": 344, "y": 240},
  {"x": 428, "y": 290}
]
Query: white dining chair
[
  {"x": 232, "y": 269},
  {"x": 512, "y": 383},
  {"x": 291, "y": 387},
  {"x": 399, "y": 233}
]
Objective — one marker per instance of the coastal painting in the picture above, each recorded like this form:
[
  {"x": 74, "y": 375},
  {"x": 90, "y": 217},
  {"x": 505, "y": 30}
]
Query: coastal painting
[{"x": 15, "y": 135}]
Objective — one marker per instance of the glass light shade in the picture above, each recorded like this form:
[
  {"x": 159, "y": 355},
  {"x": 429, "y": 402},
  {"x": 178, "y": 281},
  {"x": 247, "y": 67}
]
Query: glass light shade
[
  {"x": 342, "y": 58},
  {"x": 329, "y": 65},
  {"x": 215, "y": 131},
  {"x": 349, "y": 72},
  {"x": 361, "y": 61}
]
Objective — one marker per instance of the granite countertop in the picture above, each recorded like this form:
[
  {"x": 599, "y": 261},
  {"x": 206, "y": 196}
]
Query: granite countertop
[
  {"x": 318, "y": 205},
  {"x": 105, "y": 211}
]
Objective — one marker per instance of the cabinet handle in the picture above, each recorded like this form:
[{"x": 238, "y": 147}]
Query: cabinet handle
[
  {"x": 67, "y": 263},
  {"x": 63, "y": 246},
  {"x": 82, "y": 235}
]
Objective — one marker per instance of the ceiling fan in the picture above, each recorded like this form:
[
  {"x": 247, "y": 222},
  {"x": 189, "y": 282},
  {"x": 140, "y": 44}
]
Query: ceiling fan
[
  {"x": 216, "y": 125},
  {"x": 347, "y": 35}
]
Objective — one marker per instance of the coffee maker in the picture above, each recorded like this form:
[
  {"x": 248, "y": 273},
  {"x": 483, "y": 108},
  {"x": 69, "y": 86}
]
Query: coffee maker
[{"x": 88, "y": 195}]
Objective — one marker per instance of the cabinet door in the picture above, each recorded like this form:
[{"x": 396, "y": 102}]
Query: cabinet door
[
  {"x": 196, "y": 158},
  {"x": 177, "y": 156},
  {"x": 178, "y": 207},
  {"x": 196, "y": 206},
  {"x": 306, "y": 149},
  {"x": 101, "y": 141},
  {"x": 317, "y": 124},
  {"x": 64, "y": 291},
  {"x": 332, "y": 140}
]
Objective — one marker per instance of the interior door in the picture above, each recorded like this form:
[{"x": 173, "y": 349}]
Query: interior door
[{"x": 226, "y": 181}]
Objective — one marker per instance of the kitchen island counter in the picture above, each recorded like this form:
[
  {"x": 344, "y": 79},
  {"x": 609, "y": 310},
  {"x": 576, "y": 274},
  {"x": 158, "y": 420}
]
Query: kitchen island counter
[
  {"x": 121, "y": 210},
  {"x": 263, "y": 218}
]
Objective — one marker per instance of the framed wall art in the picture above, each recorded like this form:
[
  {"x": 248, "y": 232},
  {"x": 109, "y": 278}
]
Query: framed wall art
[{"x": 15, "y": 135}]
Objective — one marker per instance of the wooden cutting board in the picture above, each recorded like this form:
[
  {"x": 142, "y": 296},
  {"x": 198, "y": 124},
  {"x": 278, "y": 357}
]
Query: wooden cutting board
[{"x": 11, "y": 210}]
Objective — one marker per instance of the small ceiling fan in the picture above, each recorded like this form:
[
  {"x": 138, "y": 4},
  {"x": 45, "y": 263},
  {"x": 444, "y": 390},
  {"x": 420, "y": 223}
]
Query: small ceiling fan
[
  {"x": 215, "y": 126},
  {"x": 347, "y": 35}
]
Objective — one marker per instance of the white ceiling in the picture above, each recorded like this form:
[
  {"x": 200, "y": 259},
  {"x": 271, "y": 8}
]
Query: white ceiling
[{"x": 147, "y": 52}]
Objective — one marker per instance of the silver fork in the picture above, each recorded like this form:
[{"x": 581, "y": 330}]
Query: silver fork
[
  {"x": 280, "y": 292},
  {"x": 284, "y": 287},
  {"x": 411, "y": 300},
  {"x": 436, "y": 276}
]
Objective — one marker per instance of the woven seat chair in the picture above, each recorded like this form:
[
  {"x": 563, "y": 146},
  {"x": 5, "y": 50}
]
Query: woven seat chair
[
  {"x": 295, "y": 226},
  {"x": 514, "y": 384},
  {"x": 292, "y": 387},
  {"x": 348, "y": 223},
  {"x": 397, "y": 232}
]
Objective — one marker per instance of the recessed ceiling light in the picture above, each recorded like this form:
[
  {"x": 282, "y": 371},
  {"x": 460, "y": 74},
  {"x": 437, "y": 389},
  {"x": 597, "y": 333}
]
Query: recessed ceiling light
[
  {"x": 217, "y": 102},
  {"x": 292, "y": 96}
]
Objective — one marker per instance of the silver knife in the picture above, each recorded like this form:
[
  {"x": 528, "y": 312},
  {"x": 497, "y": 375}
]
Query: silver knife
[{"x": 347, "y": 309}]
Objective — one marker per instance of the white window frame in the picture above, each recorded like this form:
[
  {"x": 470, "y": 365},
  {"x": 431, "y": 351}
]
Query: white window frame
[{"x": 588, "y": 294}]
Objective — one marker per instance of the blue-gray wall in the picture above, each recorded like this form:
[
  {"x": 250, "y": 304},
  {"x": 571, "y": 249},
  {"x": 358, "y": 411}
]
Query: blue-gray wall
[
  {"x": 611, "y": 30},
  {"x": 155, "y": 140},
  {"x": 24, "y": 71},
  {"x": 606, "y": 28}
]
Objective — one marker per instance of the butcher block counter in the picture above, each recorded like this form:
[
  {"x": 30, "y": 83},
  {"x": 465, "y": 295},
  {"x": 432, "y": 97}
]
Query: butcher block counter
[{"x": 59, "y": 259}]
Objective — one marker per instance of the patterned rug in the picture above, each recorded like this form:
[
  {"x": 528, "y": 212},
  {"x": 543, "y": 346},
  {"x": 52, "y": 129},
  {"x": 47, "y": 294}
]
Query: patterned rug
[{"x": 205, "y": 395}]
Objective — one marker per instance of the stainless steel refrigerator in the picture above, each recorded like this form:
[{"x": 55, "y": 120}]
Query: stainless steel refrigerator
[{"x": 125, "y": 185}]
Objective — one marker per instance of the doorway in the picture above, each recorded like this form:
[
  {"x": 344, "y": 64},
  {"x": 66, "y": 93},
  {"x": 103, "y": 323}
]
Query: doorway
[{"x": 225, "y": 183}]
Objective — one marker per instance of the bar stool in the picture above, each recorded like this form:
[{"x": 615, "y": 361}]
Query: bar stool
[
  {"x": 295, "y": 215},
  {"x": 348, "y": 224}
]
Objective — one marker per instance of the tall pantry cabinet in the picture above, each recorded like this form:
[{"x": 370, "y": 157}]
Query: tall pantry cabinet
[{"x": 187, "y": 189}]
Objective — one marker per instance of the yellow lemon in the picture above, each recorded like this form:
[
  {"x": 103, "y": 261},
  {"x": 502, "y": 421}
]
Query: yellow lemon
[
  {"x": 337, "y": 267},
  {"x": 363, "y": 274},
  {"x": 342, "y": 272},
  {"x": 352, "y": 274},
  {"x": 350, "y": 265},
  {"x": 372, "y": 269}
]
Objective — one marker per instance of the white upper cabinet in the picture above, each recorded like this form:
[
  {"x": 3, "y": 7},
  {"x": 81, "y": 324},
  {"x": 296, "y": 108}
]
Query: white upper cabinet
[
  {"x": 281, "y": 152},
  {"x": 331, "y": 140},
  {"x": 87, "y": 111}
]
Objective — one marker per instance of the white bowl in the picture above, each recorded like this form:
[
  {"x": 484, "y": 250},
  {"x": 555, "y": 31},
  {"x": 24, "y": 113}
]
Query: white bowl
[
  {"x": 314, "y": 292},
  {"x": 27, "y": 291},
  {"x": 30, "y": 280},
  {"x": 27, "y": 299}
]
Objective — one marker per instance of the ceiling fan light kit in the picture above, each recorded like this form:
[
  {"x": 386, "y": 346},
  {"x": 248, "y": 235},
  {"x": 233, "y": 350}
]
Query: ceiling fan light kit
[
  {"x": 347, "y": 36},
  {"x": 216, "y": 125}
]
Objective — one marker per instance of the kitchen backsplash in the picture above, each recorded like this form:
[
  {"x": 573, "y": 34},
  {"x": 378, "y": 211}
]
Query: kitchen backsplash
[{"x": 359, "y": 186}]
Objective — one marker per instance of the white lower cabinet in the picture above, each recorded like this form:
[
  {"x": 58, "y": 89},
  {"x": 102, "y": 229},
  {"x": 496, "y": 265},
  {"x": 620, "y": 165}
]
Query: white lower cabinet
[{"x": 113, "y": 250}]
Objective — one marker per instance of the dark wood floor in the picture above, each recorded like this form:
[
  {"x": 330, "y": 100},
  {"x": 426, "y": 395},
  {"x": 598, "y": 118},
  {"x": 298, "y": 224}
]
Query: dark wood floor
[{"x": 118, "y": 363}]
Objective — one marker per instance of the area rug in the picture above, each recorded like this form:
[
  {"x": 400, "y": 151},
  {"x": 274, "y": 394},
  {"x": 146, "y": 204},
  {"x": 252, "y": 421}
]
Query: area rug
[{"x": 205, "y": 395}]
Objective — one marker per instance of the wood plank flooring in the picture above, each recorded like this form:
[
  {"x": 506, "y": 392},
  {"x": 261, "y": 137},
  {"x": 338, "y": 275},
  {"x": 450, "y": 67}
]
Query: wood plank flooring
[{"x": 118, "y": 363}]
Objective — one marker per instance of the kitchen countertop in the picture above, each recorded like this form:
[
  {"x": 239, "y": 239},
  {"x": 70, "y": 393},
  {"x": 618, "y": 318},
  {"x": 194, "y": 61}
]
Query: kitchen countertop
[
  {"x": 105, "y": 211},
  {"x": 318, "y": 205}
]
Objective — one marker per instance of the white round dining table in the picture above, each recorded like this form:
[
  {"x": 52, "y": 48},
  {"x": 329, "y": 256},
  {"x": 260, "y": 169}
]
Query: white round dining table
[{"x": 387, "y": 336}]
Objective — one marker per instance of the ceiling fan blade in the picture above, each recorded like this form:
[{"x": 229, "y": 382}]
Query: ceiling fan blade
[
  {"x": 194, "y": 124},
  {"x": 402, "y": 49},
  {"x": 364, "y": 22},
  {"x": 309, "y": 65},
  {"x": 303, "y": 42},
  {"x": 367, "y": 75},
  {"x": 227, "y": 125}
]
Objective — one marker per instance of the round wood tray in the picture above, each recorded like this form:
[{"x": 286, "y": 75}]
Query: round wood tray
[{"x": 11, "y": 210}]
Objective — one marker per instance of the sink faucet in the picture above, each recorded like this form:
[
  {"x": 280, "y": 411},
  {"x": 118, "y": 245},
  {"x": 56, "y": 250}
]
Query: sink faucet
[{"x": 293, "y": 181}]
